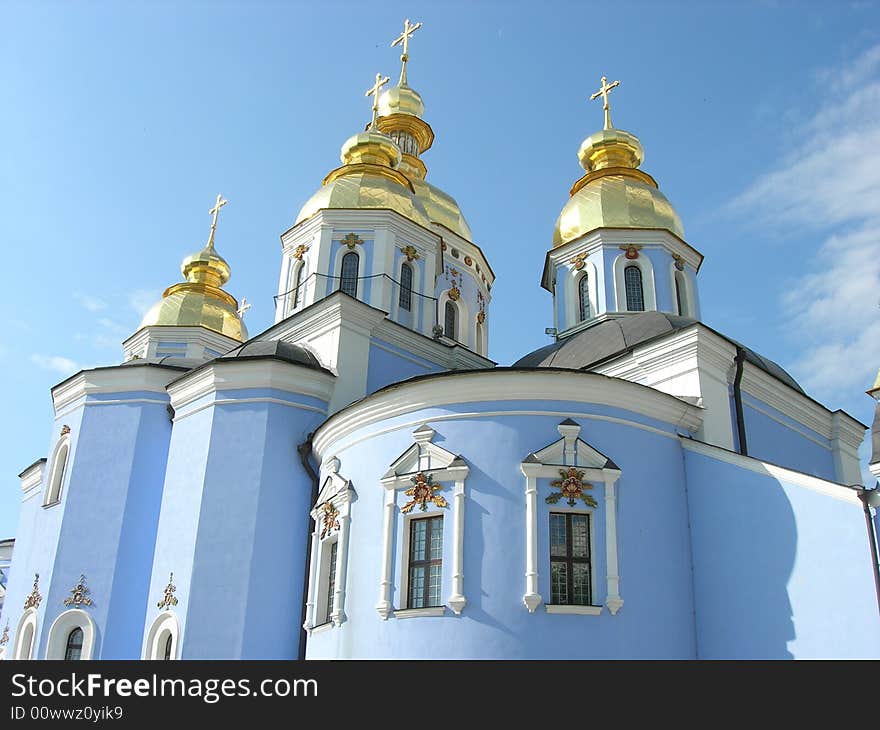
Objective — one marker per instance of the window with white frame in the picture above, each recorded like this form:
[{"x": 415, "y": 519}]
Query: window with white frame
[
  {"x": 327, "y": 580},
  {"x": 635, "y": 297},
  {"x": 425, "y": 564},
  {"x": 584, "y": 298},
  {"x": 570, "y": 569},
  {"x": 450, "y": 316},
  {"x": 163, "y": 638},
  {"x": 348, "y": 281},
  {"x": 680, "y": 294},
  {"x": 297, "y": 284},
  {"x": 406, "y": 283},
  {"x": 59, "y": 469}
]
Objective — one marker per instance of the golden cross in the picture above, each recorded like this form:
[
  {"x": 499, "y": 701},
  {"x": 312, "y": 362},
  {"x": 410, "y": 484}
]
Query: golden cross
[
  {"x": 403, "y": 38},
  {"x": 215, "y": 212},
  {"x": 603, "y": 92},
  {"x": 374, "y": 92}
]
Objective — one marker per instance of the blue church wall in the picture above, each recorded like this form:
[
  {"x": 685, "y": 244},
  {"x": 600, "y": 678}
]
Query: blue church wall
[
  {"x": 654, "y": 562},
  {"x": 422, "y": 293},
  {"x": 785, "y": 442},
  {"x": 468, "y": 300},
  {"x": 780, "y": 570},
  {"x": 234, "y": 527},
  {"x": 389, "y": 364}
]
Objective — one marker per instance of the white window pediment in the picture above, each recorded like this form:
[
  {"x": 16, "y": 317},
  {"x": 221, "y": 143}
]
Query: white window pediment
[
  {"x": 423, "y": 457},
  {"x": 546, "y": 463}
]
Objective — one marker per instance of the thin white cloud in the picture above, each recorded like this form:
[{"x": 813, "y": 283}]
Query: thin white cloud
[
  {"x": 141, "y": 300},
  {"x": 56, "y": 363},
  {"x": 829, "y": 186},
  {"x": 90, "y": 302}
]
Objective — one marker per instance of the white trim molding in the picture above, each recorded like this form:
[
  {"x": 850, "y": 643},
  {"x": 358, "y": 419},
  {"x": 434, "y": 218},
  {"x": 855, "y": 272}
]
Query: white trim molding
[
  {"x": 75, "y": 618},
  {"x": 574, "y": 610},
  {"x": 337, "y": 493},
  {"x": 443, "y": 466},
  {"x": 165, "y": 623},
  {"x": 570, "y": 450},
  {"x": 26, "y": 629}
]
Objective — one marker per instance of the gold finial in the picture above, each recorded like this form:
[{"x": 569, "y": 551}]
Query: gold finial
[
  {"x": 374, "y": 92},
  {"x": 215, "y": 212},
  {"x": 603, "y": 92},
  {"x": 403, "y": 39}
]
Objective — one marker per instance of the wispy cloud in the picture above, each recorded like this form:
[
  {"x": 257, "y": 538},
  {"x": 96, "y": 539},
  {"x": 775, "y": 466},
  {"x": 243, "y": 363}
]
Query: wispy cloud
[
  {"x": 829, "y": 185},
  {"x": 56, "y": 363},
  {"x": 90, "y": 302},
  {"x": 141, "y": 300}
]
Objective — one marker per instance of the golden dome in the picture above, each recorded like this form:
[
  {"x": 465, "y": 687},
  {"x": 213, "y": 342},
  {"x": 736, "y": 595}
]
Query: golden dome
[
  {"x": 614, "y": 193},
  {"x": 368, "y": 178},
  {"x": 199, "y": 301},
  {"x": 442, "y": 208},
  {"x": 401, "y": 100}
]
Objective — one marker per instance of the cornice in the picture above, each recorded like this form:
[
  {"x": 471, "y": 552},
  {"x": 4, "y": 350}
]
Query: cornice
[
  {"x": 32, "y": 476},
  {"x": 268, "y": 373},
  {"x": 148, "y": 377},
  {"x": 358, "y": 219},
  {"x": 506, "y": 384}
]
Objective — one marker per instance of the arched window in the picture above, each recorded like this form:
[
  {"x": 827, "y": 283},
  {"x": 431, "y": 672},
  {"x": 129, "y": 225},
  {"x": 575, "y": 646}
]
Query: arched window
[
  {"x": 24, "y": 636},
  {"x": 584, "y": 298},
  {"x": 73, "y": 651},
  {"x": 169, "y": 641},
  {"x": 449, "y": 321},
  {"x": 406, "y": 280},
  {"x": 680, "y": 297},
  {"x": 59, "y": 467},
  {"x": 635, "y": 298},
  {"x": 297, "y": 283},
  {"x": 348, "y": 282}
]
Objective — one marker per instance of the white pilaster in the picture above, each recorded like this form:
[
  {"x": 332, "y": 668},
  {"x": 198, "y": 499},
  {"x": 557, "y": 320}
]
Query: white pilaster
[
  {"x": 612, "y": 598},
  {"x": 383, "y": 607},
  {"x": 457, "y": 600},
  {"x": 532, "y": 598}
]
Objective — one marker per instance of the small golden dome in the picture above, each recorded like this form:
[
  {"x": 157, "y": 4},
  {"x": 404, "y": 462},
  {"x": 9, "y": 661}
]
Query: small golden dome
[
  {"x": 442, "y": 208},
  {"x": 401, "y": 100},
  {"x": 614, "y": 193},
  {"x": 370, "y": 147},
  {"x": 206, "y": 266}
]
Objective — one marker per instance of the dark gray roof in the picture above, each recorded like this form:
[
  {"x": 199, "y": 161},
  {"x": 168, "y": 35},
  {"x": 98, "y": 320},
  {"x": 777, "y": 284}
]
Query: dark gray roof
[
  {"x": 614, "y": 337},
  {"x": 275, "y": 349}
]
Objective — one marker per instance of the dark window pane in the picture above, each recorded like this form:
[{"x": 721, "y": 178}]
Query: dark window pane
[
  {"x": 349, "y": 279},
  {"x": 580, "y": 547},
  {"x": 419, "y": 534},
  {"x": 558, "y": 583},
  {"x": 168, "y": 642},
  {"x": 635, "y": 300},
  {"x": 436, "y": 538},
  {"x": 557, "y": 535},
  {"x": 331, "y": 581},
  {"x": 581, "y": 584},
  {"x": 584, "y": 297},
  {"x": 425, "y": 562},
  {"x": 679, "y": 299},
  {"x": 406, "y": 279},
  {"x": 73, "y": 650},
  {"x": 297, "y": 284},
  {"x": 449, "y": 322}
]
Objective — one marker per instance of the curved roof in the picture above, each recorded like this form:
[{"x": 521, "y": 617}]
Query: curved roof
[
  {"x": 614, "y": 337},
  {"x": 277, "y": 349}
]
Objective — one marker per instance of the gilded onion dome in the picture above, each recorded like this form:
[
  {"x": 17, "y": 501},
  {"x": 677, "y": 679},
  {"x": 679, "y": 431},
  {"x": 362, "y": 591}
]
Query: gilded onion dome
[
  {"x": 368, "y": 178},
  {"x": 200, "y": 301},
  {"x": 614, "y": 193}
]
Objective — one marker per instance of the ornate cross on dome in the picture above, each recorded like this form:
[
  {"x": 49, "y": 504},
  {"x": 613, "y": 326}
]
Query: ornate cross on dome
[
  {"x": 403, "y": 39},
  {"x": 374, "y": 92},
  {"x": 603, "y": 92},
  {"x": 245, "y": 306},
  {"x": 215, "y": 212}
]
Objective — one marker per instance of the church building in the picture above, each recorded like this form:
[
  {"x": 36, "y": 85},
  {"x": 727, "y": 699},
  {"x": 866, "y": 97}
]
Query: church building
[{"x": 361, "y": 480}]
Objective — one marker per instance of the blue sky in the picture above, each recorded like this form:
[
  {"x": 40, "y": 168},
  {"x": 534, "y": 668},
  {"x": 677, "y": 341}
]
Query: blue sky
[{"x": 121, "y": 123}]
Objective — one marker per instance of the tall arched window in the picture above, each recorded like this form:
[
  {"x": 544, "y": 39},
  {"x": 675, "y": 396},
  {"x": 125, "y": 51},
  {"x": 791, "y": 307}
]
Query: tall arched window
[
  {"x": 24, "y": 636},
  {"x": 406, "y": 280},
  {"x": 680, "y": 298},
  {"x": 169, "y": 642},
  {"x": 297, "y": 284},
  {"x": 59, "y": 467},
  {"x": 73, "y": 650},
  {"x": 348, "y": 282},
  {"x": 635, "y": 298},
  {"x": 449, "y": 320},
  {"x": 584, "y": 298}
]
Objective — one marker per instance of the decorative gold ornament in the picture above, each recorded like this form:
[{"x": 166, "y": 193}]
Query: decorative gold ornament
[
  {"x": 410, "y": 253},
  {"x": 579, "y": 261},
  {"x": 572, "y": 486},
  {"x": 65, "y": 429},
  {"x": 351, "y": 240},
  {"x": 79, "y": 594},
  {"x": 168, "y": 599},
  {"x": 34, "y": 597},
  {"x": 632, "y": 250},
  {"x": 481, "y": 316},
  {"x": 422, "y": 492},
  {"x": 603, "y": 92},
  {"x": 299, "y": 251},
  {"x": 481, "y": 303},
  {"x": 329, "y": 519},
  {"x": 374, "y": 92},
  {"x": 468, "y": 260},
  {"x": 679, "y": 261},
  {"x": 4, "y": 639},
  {"x": 403, "y": 40},
  {"x": 454, "y": 293},
  {"x": 457, "y": 280}
]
